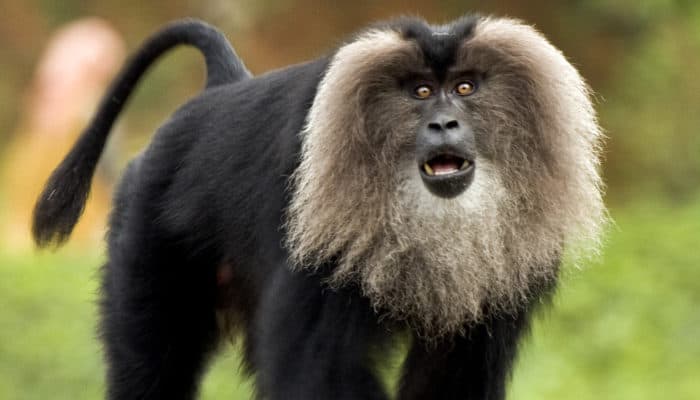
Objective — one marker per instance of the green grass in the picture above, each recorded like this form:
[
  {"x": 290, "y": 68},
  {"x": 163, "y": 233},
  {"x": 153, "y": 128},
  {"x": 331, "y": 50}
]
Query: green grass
[{"x": 627, "y": 328}]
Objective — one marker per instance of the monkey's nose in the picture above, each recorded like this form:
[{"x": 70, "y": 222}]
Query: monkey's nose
[{"x": 443, "y": 123}]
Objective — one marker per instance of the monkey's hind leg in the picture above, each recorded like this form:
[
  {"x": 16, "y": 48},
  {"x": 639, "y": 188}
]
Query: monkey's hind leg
[{"x": 158, "y": 324}]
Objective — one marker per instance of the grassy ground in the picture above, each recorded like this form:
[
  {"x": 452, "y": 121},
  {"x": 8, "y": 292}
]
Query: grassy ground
[{"x": 628, "y": 328}]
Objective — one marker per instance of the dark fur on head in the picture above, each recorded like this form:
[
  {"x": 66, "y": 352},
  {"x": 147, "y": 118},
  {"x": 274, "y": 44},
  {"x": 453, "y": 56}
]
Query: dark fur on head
[{"x": 443, "y": 263}]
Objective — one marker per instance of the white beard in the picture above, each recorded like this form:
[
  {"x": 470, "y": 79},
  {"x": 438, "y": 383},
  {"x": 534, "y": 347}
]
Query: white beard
[{"x": 441, "y": 262}]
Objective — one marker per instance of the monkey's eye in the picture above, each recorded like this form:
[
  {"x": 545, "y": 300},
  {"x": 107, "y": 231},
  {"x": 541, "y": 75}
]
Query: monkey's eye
[
  {"x": 465, "y": 88},
  {"x": 423, "y": 92}
]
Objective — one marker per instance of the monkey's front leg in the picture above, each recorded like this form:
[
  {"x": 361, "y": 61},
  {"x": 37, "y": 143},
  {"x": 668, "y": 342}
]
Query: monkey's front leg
[
  {"x": 473, "y": 367},
  {"x": 311, "y": 342}
]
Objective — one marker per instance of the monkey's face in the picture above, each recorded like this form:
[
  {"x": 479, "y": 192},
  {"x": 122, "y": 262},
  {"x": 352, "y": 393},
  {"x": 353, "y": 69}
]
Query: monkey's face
[
  {"x": 445, "y": 143},
  {"x": 419, "y": 115},
  {"x": 447, "y": 101}
]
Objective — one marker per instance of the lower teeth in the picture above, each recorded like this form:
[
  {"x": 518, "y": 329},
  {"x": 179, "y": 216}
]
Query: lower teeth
[{"x": 431, "y": 172}]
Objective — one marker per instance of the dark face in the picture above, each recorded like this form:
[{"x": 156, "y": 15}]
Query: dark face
[{"x": 445, "y": 142}]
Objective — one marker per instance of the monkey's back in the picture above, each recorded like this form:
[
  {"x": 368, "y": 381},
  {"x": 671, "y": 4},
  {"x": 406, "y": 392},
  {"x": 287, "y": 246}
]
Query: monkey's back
[{"x": 213, "y": 180}]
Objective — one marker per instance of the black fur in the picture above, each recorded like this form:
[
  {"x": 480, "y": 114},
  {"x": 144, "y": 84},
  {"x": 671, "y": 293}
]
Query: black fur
[
  {"x": 209, "y": 194},
  {"x": 439, "y": 44}
]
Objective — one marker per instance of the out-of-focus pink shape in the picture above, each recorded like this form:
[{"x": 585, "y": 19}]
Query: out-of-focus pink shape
[{"x": 79, "y": 61}]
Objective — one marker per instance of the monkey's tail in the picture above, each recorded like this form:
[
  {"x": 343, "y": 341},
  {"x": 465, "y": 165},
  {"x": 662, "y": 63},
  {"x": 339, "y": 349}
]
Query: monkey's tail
[{"x": 60, "y": 205}]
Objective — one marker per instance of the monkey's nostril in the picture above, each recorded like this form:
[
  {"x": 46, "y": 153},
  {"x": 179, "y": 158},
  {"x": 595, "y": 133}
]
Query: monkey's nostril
[
  {"x": 452, "y": 124},
  {"x": 434, "y": 126}
]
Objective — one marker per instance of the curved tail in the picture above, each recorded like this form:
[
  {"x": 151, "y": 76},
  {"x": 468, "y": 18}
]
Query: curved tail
[{"x": 63, "y": 200}]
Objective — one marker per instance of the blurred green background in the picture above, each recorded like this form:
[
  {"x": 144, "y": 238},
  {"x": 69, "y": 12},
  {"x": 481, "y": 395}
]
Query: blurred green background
[{"x": 626, "y": 327}]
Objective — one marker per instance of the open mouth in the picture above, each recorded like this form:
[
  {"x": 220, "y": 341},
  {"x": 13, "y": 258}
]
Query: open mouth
[
  {"x": 446, "y": 174},
  {"x": 445, "y": 164}
]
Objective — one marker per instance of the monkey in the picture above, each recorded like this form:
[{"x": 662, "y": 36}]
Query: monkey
[{"x": 419, "y": 180}]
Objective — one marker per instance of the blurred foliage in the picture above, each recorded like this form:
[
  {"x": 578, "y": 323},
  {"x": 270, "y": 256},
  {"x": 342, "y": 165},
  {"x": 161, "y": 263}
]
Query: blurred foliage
[
  {"x": 627, "y": 328},
  {"x": 654, "y": 115},
  {"x": 641, "y": 58}
]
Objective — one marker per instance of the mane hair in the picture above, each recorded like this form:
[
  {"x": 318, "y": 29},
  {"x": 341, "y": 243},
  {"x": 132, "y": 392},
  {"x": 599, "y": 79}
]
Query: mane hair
[{"x": 442, "y": 264}]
